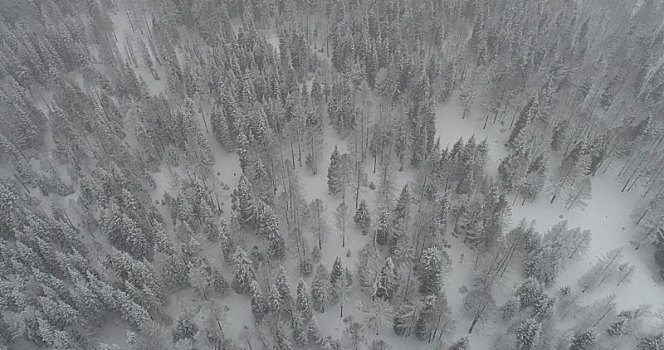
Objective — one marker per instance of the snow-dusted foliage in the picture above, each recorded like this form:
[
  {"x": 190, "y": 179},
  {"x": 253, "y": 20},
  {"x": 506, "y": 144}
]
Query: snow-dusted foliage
[{"x": 333, "y": 175}]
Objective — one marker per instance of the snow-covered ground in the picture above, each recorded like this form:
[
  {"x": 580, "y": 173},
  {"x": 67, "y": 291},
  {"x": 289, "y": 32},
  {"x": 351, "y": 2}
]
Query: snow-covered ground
[{"x": 607, "y": 216}]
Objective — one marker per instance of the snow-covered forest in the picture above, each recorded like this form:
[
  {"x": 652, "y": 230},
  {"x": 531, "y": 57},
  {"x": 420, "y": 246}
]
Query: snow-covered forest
[{"x": 332, "y": 174}]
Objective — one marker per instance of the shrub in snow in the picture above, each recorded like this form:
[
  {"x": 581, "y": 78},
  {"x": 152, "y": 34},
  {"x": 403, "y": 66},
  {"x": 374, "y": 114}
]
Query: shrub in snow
[
  {"x": 461, "y": 344},
  {"x": 185, "y": 328},
  {"x": 306, "y": 266},
  {"x": 652, "y": 343},
  {"x": 584, "y": 340}
]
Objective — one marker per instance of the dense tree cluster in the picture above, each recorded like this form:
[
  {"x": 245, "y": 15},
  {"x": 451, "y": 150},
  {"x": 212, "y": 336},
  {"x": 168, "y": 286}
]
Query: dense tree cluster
[{"x": 121, "y": 124}]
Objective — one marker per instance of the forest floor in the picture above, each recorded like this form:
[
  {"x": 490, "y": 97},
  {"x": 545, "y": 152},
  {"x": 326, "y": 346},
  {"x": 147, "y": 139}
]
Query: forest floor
[{"x": 607, "y": 215}]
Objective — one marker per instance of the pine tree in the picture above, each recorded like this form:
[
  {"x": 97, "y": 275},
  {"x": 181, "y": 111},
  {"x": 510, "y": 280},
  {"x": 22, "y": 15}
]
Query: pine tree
[
  {"x": 383, "y": 227},
  {"x": 244, "y": 272},
  {"x": 8, "y": 209},
  {"x": 258, "y": 302},
  {"x": 245, "y": 202},
  {"x": 530, "y": 293},
  {"x": 337, "y": 271},
  {"x": 362, "y": 217},
  {"x": 320, "y": 289},
  {"x": 273, "y": 299},
  {"x": 267, "y": 222},
  {"x": 544, "y": 263},
  {"x": 59, "y": 313},
  {"x": 509, "y": 309},
  {"x": 442, "y": 214},
  {"x": 221, "y": 130},
  {"x": 431, "y": 271},
  {"x": 302, "y": 303},
  {"x": 354, "y": 335},
  {"x": 528, "y": 114},
  {"x": 55, "y": 338},
  {"x": 401, "y": 319},
  {"x": 283, "y": 286},
  {"x": 378, "y": 314},
  {"x": 300, "y": 330},
  {"x": 201, "y": 278},
  {"x": 402, "y": 210},
  {"x": 579, "y": 194},
  {"x": 426, "y": 318},
  {"x": 219, "y": 283},
  {"x": 268, "y": 227},
  {"x": 85, "y": 301},
  {"x": 124, "y": 232},
  {"x": 387, "y": 281},
  {"x": 535, "y": 179},
  {"x": 335, "y": 173},
  {"x": 528, "y": 334},
  {"x": 626, "y": 323},
  {"x": 282, "y": 339},
  {"x": 227, "y": 244},
  {"x": 277, "y": 246},
  {"x": 575, "y": 164},
  {"x": 495, "y": 211},
  {"x": 401, "y": 217},
  {"x": 558, "y": 137},
  {"x": 466, "y": 167},
  {"x": 512, "y": 170},
  {"x": 314, "y": 332}
]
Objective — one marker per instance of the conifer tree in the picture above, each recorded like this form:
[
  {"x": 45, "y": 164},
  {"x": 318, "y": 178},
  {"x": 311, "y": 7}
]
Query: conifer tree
[
  {"x": 244, "y": 272},
  {"x": 354, "y": 335},
  {"x": 423, "y": 326},
  {"x": 387, "y": 281},
  {"x": 575, "y": 164},
  {"x": 383, "y": 227},
  {"x": 320, "y": 289},
  {"x": 530, "y": 293},
  {"x": 528, "y": 114},
  {"x": 283, "y": 286},
  {"x": 402, "y": 210},
  {"x": 277, "y": 246},
  {"x": 268, "y": 224},
  {"x": 341, "y": 283},
  {"x": 245, "y": 203},
  {"x": 302, "y": 303},
  {"x": 335, "y": 173},
  {"x": 201, "y": 278},
  {"x": 559, "y": 134},
  {"x": 528, "y": 334},
  {"x": 221, "y": 130},
  {"x": 282, "y": 339},
  {"x": 431, "y": 271},
  {"x": 258, "y": 302},
  {"x": 544, "y": 263},
  {"x": 362, "y": 217},
  {"x": 401, "y": 216},
  {"x": 337, "y": 271},
  {"x": 314, "y": 332}
]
